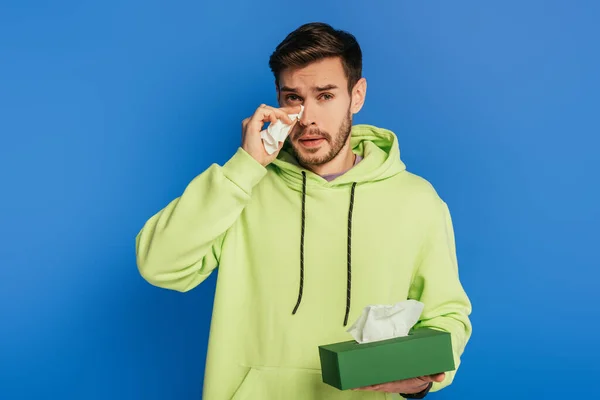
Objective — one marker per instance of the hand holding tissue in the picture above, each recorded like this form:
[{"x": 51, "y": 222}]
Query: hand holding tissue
[
  {"x": 386, "y": 348},
  {"x": 277, "y": 132}
]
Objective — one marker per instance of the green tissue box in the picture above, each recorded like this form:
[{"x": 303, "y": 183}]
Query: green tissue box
[{"x": 348, "y": 365}]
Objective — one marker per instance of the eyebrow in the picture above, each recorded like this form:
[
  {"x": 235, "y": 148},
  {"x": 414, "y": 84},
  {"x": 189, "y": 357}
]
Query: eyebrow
[{"x": 314, "y": 89}]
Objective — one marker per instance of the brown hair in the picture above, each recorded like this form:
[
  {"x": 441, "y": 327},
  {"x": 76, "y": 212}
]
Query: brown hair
[{"x": 313, "y": 42}]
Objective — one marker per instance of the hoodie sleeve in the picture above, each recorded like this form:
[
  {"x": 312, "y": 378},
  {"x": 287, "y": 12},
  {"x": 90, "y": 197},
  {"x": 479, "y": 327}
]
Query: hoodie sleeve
[
  {"x": 180, "y": 246},
  {"x": 436, "y": 284}
]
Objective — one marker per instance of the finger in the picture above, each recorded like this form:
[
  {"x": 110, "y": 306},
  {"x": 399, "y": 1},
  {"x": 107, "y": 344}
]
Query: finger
[
  {"x": 432, "y": 378},
  {"x": 282, "y": 115},
  {"x": 267, "y": 114},
  {"x": 438, "y": 377},
  {"x": 284, "y": 112},
  {"x": 272, "y": 118},
  {"x": 291, "y": 109},
  {"x": 365, "y": 388},
  {"x": 260, "y": 116}
]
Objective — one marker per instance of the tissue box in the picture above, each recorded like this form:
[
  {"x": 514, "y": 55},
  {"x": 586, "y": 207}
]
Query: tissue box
[{"x": 348, "y": 365}]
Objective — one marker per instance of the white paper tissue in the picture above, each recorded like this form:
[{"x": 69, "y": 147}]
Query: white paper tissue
[
  {"x": 381, "y": 322},
  {"x": 277, "y": 132}
]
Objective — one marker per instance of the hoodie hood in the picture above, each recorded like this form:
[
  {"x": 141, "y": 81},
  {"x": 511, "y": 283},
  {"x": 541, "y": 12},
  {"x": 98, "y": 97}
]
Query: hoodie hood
[{"x": 378, "y": 147}]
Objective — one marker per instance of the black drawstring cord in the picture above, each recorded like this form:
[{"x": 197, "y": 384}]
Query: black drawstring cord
[
  {"x": 302, "y": 242},
  {"x": 349, "y": 248},
  {"x": 349, "y": 287}
]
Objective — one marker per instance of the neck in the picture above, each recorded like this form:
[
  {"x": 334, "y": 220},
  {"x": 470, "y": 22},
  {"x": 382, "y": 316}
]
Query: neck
[{"x": 341, "y": 163}]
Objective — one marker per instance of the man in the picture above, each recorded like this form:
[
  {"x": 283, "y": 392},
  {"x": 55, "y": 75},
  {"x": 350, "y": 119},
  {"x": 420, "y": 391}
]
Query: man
[{"x": 308, "y": 236}]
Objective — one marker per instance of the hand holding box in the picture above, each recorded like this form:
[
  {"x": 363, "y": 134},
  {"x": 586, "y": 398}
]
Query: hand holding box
[{"x": 389, "y": 349}]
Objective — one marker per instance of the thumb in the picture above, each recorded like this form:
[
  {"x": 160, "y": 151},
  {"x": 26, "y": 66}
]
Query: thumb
[{"x": 437, "y": 377}]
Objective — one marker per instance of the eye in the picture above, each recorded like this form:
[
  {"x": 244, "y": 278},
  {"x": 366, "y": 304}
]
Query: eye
[
  {"x": 292, "y": 97},
  {"x": 327, "y": 96}
]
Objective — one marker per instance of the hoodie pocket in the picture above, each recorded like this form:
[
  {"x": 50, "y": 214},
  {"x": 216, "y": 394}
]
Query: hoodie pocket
[{"x": 273, "y": 383}]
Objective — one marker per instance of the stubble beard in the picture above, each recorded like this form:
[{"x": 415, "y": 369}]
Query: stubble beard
[{"x": 306, "y": 156}]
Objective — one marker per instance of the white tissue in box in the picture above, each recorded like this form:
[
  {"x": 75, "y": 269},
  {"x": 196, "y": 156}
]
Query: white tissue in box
[
  {"x": 277, "y": 132},
  {"x": 381, "y": 322}
]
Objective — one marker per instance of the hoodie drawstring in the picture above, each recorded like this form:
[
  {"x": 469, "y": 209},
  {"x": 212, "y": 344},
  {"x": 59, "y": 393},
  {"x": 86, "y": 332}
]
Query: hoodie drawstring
[
  {"x": 349, "y": 286},
  {"x": 302, "y": 242},
  {"x": 349, "y": 248}
]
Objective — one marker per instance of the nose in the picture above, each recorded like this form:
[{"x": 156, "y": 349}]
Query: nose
[{"x": 308, "y": 117}]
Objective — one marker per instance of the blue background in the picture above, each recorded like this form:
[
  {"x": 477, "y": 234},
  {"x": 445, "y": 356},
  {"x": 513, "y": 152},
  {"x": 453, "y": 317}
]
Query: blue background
[{"x": 108, "y": 110}]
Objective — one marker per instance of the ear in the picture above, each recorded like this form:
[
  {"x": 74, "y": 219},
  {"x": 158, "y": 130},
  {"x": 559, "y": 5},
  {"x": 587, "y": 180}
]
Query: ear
[{"x": 359, "y": 93}]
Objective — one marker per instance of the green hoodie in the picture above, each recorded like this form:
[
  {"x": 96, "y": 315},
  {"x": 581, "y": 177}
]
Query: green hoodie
[{"x": 299, "y": 258}]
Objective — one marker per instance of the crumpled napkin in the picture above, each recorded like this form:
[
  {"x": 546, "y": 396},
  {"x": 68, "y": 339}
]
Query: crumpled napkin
[{"x": 277, "y": 132}]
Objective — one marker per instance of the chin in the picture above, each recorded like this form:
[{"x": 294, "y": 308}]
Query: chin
[
  {"x": 315, "y": 159},
  {"x": 311, "y": 155}
]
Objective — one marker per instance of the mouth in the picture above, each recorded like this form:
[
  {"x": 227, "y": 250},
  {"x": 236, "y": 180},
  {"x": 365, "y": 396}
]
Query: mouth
[{"x": 311, "y": 141}]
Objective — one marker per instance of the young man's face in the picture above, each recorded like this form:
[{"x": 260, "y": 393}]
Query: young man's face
[{"x": 324, "y": 129}]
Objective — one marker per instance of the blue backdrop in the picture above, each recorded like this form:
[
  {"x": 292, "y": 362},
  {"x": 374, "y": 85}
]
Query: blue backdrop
[{"x": 108, "y": 110}]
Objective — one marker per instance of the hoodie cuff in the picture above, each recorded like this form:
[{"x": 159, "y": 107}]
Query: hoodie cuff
[
  {"x": 420, "y": 395},
  {"x": 243, "y": 170}
]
